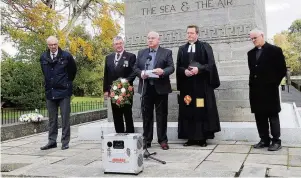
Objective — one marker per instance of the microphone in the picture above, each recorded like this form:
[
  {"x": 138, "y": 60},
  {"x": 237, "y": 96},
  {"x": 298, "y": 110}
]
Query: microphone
[
  {"x": 148, "y": 59},
  {"x": 147, "y": 63}
]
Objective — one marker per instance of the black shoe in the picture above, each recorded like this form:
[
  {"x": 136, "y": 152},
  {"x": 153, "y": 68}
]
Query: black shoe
[
  {"x": 49, "y": 146},
  {"x": 202, "y": 143},
  {"x": 261, "y": 144},
  {"x": 148, "y": 145},
  {"x": 275, "y": 147},
  {"x": 190, "y": 143},
  {"x": 64, "y": 147}
]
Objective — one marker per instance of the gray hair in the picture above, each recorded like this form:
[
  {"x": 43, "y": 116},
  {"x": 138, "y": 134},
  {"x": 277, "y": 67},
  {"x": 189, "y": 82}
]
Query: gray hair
[
  {"x": 52, "y": 38},
  {"x": 155, "y": 33},
  {"x": 116, "y": 38},
  {"x": 257, "y": 31}
]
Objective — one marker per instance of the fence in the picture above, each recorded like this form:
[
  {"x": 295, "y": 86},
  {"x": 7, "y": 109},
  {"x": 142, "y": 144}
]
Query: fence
[{"x": 11, "y": 115}]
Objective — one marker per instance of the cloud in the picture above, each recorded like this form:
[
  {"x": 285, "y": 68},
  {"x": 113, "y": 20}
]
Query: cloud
[{"x": 277, "y": 7}]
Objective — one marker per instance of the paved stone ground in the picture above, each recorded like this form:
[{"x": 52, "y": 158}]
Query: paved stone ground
[
  {"x": 292, "y": 96},
  {"x": 23, "y": 158}
]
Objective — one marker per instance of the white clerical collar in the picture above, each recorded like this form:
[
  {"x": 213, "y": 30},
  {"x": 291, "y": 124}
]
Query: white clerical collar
[{"x": 191, "y": 48}]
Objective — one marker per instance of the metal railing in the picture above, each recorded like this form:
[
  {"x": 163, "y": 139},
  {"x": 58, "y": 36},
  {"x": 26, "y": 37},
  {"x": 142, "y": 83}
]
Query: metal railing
[{"x": 12, "y": 115}]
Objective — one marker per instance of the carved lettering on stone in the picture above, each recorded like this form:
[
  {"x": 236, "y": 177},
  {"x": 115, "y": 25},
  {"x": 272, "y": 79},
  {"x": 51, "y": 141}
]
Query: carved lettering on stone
[{"x": 170, "y": 37}]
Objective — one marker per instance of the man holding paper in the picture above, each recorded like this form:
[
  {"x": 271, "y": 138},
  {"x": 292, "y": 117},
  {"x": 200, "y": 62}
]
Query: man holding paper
[
  {"x": 197, "y": 77},
  {"x": 153, "y": 67}
]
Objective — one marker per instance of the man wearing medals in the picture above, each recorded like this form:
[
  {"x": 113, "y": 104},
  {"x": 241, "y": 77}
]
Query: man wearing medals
[
  {"x": 120, "y": 64},
  {"x": 197, "y": 77}
]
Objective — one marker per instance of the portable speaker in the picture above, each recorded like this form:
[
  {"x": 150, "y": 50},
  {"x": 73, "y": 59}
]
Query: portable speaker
[{"x": 122, "y": 153}]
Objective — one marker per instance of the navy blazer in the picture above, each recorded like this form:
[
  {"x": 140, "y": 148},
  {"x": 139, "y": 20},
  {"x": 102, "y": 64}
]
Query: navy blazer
[{"x": 58, "y": 74}]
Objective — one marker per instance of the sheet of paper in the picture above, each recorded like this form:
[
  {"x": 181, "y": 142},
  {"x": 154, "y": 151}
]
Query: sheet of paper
[{"x": 151, "y": 74}]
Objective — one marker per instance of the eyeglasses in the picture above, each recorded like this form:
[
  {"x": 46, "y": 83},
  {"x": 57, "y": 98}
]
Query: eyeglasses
[
  {"x": 254, "y": 38},
  {"x": 118, "y": 43},
  {"x": 52, "y": 44}
]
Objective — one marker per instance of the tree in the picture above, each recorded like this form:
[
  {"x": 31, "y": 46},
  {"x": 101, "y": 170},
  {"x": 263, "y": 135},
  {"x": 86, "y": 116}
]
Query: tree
[
  {"x": 88, "y": 80},
  {"x": 291, "y": 46},
  {"x": 21, "y": 84},
  {"x": 296, "y": 26},
  {"x": 28, "y": 23}
]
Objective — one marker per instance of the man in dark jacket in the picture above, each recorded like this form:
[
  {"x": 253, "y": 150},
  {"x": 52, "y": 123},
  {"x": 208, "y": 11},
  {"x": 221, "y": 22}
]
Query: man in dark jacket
[
  {"x": 267, "y": 68},
  {"x": 120, "y": 64},
  {"x": 153, "y": 66},
  {"x": 59, "y": 71}
]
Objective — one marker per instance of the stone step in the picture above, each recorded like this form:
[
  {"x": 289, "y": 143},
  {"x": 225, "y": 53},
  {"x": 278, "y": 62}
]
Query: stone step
[
  {"x": 289, "y": 120},
  {"x": 232, "y": 94},
  {"x": 247, "y": 131},
  {"x": 233, "y": 84},
  {"x": 230, "y": 131},
  {"x": 233, "y": 70},
  {"x": 232, "y": 63},
  {"x": 232, "y": 104}
]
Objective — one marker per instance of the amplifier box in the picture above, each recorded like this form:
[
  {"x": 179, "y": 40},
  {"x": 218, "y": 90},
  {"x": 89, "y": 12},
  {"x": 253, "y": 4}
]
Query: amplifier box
[{"x": 122, "y": 153}]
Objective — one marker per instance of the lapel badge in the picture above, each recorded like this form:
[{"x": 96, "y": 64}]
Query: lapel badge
[
  {"x": 125, "y": 63},
  {"x": 187, "y": 99}
]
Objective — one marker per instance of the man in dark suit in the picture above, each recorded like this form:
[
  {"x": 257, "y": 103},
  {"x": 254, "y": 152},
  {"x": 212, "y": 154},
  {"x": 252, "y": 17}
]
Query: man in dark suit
[
  {"x": 267, "y": 68},
  {"x": 120, "y": 65},
  {"x": 154, "y": 89}
]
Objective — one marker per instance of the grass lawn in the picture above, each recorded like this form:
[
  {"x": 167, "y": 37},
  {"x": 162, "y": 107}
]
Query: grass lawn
[
  {"x": 86, "y": 98},
  {"x": 78, "y": 104}
]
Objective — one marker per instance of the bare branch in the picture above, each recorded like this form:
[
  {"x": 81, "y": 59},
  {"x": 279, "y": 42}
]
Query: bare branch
[
  {"x": 61, "y": 10},
  {"x": 76, "y": 14}
]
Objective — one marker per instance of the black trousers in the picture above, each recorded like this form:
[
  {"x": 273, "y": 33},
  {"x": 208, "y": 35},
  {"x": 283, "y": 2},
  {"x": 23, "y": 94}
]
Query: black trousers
[
  {"x": 150, "y": 99},
  {"x": 262, "y": 122},
  {"x": 118, "y": 113},
  {"x": 52, "y": 107}
]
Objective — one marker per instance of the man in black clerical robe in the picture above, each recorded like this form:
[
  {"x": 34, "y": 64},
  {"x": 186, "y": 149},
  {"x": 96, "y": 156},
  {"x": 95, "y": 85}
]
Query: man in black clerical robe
[{"x": 197, "y": 77}]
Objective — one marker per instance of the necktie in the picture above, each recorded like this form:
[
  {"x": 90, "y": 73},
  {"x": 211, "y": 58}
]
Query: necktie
[
  {"x": 53, "y": 56},
  {"x": 117, "y": 59}
]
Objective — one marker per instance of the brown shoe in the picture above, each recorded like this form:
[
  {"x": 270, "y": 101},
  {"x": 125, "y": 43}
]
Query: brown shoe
[{"x": 164, "y": 146}]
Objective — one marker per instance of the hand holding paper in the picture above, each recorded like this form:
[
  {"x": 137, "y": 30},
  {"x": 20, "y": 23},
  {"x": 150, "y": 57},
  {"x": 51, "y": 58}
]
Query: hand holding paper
[
  {"x": 158, "y": 71},
  {"x": 151, "y": 74}
]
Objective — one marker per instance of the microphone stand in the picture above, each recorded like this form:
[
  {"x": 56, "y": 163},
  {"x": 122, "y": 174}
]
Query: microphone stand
[{"x": 146, "y": 153}]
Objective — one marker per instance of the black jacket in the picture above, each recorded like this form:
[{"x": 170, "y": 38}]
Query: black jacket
[
  {"x": 58, "y": 74},
  {"x": 266, "y": 74},
  {"x": 124, "y": 69}
]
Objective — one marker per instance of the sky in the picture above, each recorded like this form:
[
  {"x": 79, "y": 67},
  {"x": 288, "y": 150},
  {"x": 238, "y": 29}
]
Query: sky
[{"x": 279, "y": 16}]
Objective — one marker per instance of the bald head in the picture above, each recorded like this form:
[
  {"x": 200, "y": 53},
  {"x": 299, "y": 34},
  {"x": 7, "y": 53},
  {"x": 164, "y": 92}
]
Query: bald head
[
  {"x": 153, "y": 39},
  {"x": 52, "y": 43},
  {"x": 257, "y": 37}
]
